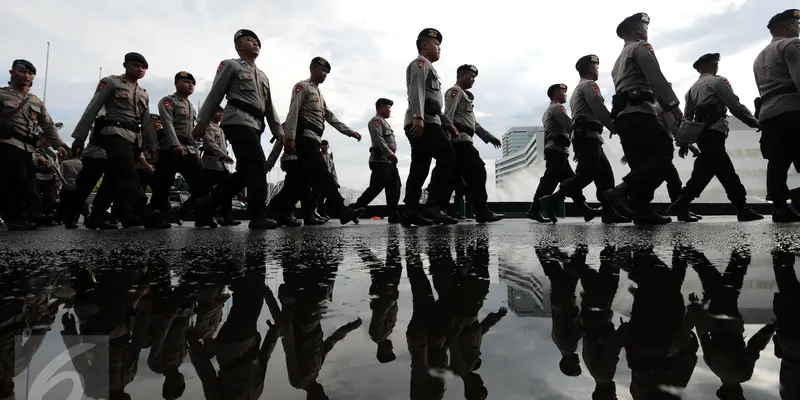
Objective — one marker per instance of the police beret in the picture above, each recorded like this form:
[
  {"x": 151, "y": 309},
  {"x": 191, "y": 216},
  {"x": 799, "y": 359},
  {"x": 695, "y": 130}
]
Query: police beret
[
  {"x": 430, "y": 33},
  {"x": 782, "y": 17},
  {"x": 155, "y": 117},
  {"x": 185, "y": 75},
  {"x": 219, "y": 108},
  {"x": 706, "y": 58},
  {"x": 383, "y": 101},
  {"x": 319, "y": 61},
  {"x": 627, "y": 23},
  {"x": 467, "y": 67},
  {"x": 136, "y": 57},
  {"x": 246, "y": 33},
  {"x": 552, "y": 89},
  {"x": 23, "y": 64},
  {"x": 585, "y": 61}
]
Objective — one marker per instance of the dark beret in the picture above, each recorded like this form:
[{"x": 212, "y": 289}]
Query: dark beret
[
  {"x": 246, "y": 33},
  {"x": 627, "y": 23},
  {"x": 430, "y": 33},
  {"x": 467, "y": 67},
  {"x": 23, "y": 64},
  {"x": 585, "y": 61},
  {"x": 219, "y": 108},
  {"x": 319, "y": 61},
  {"x": 552, "y": 89},
  {"x": 136, "y": 57},
  {"x": 383, "y": 101},
  {"x": 782, "y": 17},
  {"x": 155, "y": 117},
  {"x": 706, "y": 58},
  {"x": 185, "y": 75}
]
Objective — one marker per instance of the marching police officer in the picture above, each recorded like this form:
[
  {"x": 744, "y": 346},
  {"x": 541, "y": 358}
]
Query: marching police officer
[
  {"x": 557, "y": 128},
  {"x": 282, "y": 205},
  {"x": 120, "y": 133},
  {"x": 469, "y": 166},
  {"x": 22, "y": 115},
  {"x": 250, "y": 101},
  {"x": 305, "y": 124},
  {"x": 648, "y": 148},
  {"x": 589, "y": 115},
  {"x": 215, "y": 163},
  {"x": 424, "y": 125},
  {"x": 707, "y": 102},
  {"x": 145, "y": 167},
  {"x": 382, "y": 161},
  {"x": 778, "y": 110}
]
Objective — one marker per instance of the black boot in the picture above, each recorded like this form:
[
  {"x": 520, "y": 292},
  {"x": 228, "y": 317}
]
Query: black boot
[
  {"x": 589, "y": 213},
  {"x": 646, "y": 216},
  {"x": 782, "y": 212},
  {"x": 412, "y": 215},
  {"x": 260, "y": 221},
  {"x": 548, "y": 205},
  {"x": 156, "y": 220},
  {"x": 746, "y": 214},
  {"x": 204, "y": 209},
  {"x": 350, "y": 214},
  {"x": 229, "y": 221},
  {"x": 485, "y": 215},
  {"x": 617, "y": 197},
  {"x": 534, "y": 212},
  {"x": 394, "y": 216},
  {"x": 680, "y": 209},
  {"x": 610, "y": 216},
  {"x": 435, "y": 214},
  {"x": 99, "y": 220}
]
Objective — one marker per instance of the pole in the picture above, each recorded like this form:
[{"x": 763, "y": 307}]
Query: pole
[
  {"x": 46, "y": 68},
  {"x": 100, "y": 75}
]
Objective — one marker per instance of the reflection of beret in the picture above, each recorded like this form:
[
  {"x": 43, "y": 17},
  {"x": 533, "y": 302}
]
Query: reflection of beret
[
  {"x": 706, "y": 58},
  {"x": 23, "y": 64},
  {"x": 246, "y": 33},
  {"x": 319, "y": 61},
  {"x": 585, "y": 61},
  {"x": 467, "y": 67},
  {"x": 627, "y": 23},
  {"x": 552, "y": 89},
  {"x": 383, "y": 101},
  {"x": 136, "y": 57},
  {"x": 185, "y": 75},
  {"x": 782, "y": 17},
  {"x": 430, "y": 33}
]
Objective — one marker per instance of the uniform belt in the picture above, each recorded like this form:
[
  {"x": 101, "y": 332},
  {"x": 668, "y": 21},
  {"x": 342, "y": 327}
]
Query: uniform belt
[
  {"x": 583, "y": 124},
  {"x": 184, "y": 141},
  {"x": 305, "y": 125},
  {"x": 709, "y": 113},
  {"x": 777, "y": 92},
  {"x": 8, "y": 132},
  {"x": 124, "y": 125},
  {"x": 250, "y": 109}
]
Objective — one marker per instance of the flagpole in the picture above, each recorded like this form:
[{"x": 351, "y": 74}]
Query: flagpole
[
  {"x": 46, "y": 68},
  {"x": 100, "y": 75}
]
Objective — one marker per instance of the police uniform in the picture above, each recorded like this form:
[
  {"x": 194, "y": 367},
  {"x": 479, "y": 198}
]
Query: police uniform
[
  {"x": 424, "y": 91},
  {"x": 305, "y": 124},
  {"x": 469, "y": 165},
  {"x": 125, "y": 126},
  {"x": 215, "y": 148},
  {"x": 639, "y": 84},
  {"x": 281, "y": 207},
  {"x": 22, "y": 115},
  {"x": 707, "y": 102},
  {"x": 385, "y": 175},
  {"x": 46, "y": 179},
  {"x": 69, "y": 169},
  {"x": 778, "y": 111},
  {"x": 249, "y": 102}
]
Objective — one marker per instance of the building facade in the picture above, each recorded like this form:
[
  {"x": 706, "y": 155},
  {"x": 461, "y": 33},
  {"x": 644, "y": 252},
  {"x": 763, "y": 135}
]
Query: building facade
[
  {"x": 517, "y": 138},
  {"x": 517, "y": 162}
]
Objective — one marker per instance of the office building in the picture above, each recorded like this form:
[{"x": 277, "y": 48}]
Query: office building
[{"x": 517, "y": 138}]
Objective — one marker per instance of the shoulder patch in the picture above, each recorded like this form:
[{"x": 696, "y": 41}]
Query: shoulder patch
[
  {"x": 421, "y": 63},
  {"x": 34, "y": 99},
  {"x": 167, "y": 103},
  {"x": 564, "y": 110},
  {"x": 298, "y": 88},
  {"x": 595, "y": 87},
  {"x": 220, "y": 66},
  {"x": 377, "y": 123},
  {"x": 725, "y": 80},
  {"x": 650, "y": 48},
  {"x": 102, "y": 85},
  {"x": 453, "y": 92}
]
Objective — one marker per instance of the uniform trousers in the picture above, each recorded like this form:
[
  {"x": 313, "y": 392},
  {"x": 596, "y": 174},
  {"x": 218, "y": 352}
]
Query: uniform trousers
[
  {"x": 780, "y": 141},
  {"x": 385, "y": 176},
  {"x": 649, "y": 149},
  {"x": 433, "y": 144},
  {"x": 556, "y": 170},
  {"x": 47, "y": 193},
  {"x": 188, "y": 165},
  {"x": 313, "y": 171},
  {"x": 593, "y": 166},
  {"x": 470, "y": 168},
  {"x": 145, "y": 177},
  {"x": 93, "y": 169},
  {"x": 284, "y": 201},
  {"x": 714, "y": 161},
  {"x": 20, "y": 198},
  {"x": 251, "y": 170},
  {"x": 121, "y": 170},
  {"x": 213, "y": 178}
]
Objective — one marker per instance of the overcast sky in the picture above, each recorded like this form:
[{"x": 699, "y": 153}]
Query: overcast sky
[{"x": 520, "y": 50}]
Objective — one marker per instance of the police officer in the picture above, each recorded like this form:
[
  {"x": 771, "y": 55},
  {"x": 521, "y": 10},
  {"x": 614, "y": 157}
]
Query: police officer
[
  {"x": 321, "y": 201},
  {"x": 469, "y": 166},
  {"x": 557, "y": 128},
  {"x": 776, "y": 72},
  {"x": 145, "y": 167},
  {"x": 589, "y": 115},
  {"x": 305, "y": 124},
  {"x": 20, "y": 118},
  {"x": 648, "y": 148},
  {"x": 249, "y": 102},
  {"x": 178, "y": 151},
  {"x": 215, "y": 163},
  {"x": 282, "y": 205},
  {"x": 707, "y": 102},
  {"x": 382, "y": 162},
  {"x": 424, "y": 125},
  {"x": 125, "y": 126}
]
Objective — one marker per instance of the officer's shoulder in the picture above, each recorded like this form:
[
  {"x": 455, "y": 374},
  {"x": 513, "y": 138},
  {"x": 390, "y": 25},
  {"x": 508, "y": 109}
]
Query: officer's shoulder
[
  {"x": 785, "y": 43},
  {"x": 721, "y": 79},
  {"x": 228, "y": 62},
  {"x": 35, "y": 99},
  {"x": 299, "y": 86},
  {"x": 454, "y": 91},
  {"x": 420, "y": 62}
]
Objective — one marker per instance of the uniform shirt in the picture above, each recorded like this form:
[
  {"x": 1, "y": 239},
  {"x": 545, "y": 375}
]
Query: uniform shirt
[
  {"x": 238, "y": 80},
  {"x": 637, "y": 68},
  {"x": 714, "y": 89},
  {"x": 557, "y": 127},
  {"x": 277, "y": 149},
  {"x": 32, "y": 116},
  {"x": 70, "y": 170},
  {"x": 328, "y": 157},
  {"x": 307, "y": 103},
  {"x": 178, "y": 118},
  {"x": 588, "y": 104},
  {"x": 459, "y": 110},
  {"x": 214, "y": 148},
  {"x": 775, "y": 68},
  {"x": 94, "y": 151},
  {"x": 383, "y": 140},
  {"x": 124, "y": 101},
  {"x": 667, "y": 121},
  {"x": 43, "y": 172},
  {"x": 424, "y": 94}
]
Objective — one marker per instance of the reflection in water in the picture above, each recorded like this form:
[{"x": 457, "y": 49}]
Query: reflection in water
[{"x": 205, "y": 321}]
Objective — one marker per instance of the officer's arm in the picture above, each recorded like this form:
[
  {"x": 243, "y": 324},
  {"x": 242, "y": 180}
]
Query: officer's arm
[
  {"x": 559, "y": 113},
  {"x": 724, "y": 91},
  {"x": 277, "y": 147},
  {"x": 791, "y": 55},
  {"x": 101, "y": 95},
  {"x": 649, "y": 64},
  {"x": 688, "y": 108},
  {"x": 376, "y": 134},
  {"x": 417, "y": 78},
  {"x": 591, "y": 93},
  {"x": 339, "y": 125},
  {"x": 451, "y": 101},
  {"x": 165, "y": 110},
  {"x": 219, "y": 89},
  {"x": 484, "y": 134},
  {"x": 210, "y": 144},
  {"x": 149, "y": 138},
  {"x": 49, "y": 129},
  {"x": 273, "y": 120},
  {"x": 290, "y": 126}
]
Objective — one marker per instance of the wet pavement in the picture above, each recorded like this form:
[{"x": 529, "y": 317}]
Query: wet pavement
[{"x": 512, "y": 310}]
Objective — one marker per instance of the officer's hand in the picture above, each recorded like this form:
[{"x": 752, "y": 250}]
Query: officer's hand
[
  {"x": 496, "y": 143},
  {"x": 417, "y": 127},
  {"x": 288, "y": 145},
  {"x": 393, "y": 159},
  {"x": 199, "y": 131},
  {"x": 678, "y": 115},
  {"x": 356, "y": 135},
  {"x": 62, "y": 151},
  {"x": 453, "y": 132},
  {"x": 683, "y": 151},
  {"x": 695, "y": 151},
  {"x": 77, "y": 147},
  {"x": 41, "y": 161},
  {"x": 179, "y": 149}
]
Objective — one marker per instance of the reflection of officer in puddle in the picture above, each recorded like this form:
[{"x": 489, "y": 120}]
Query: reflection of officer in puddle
[{"x": 787, "y": 335}]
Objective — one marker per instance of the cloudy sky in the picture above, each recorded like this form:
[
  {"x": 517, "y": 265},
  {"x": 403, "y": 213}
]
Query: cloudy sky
[{"x": 520, "y": 50}]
